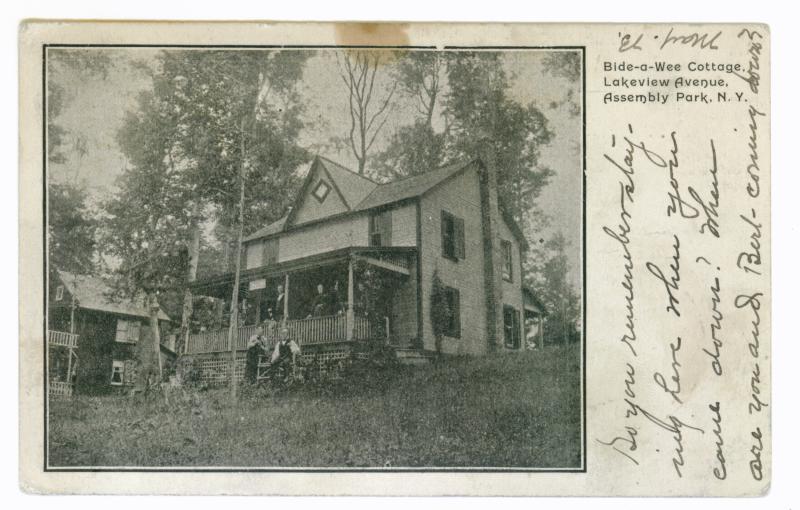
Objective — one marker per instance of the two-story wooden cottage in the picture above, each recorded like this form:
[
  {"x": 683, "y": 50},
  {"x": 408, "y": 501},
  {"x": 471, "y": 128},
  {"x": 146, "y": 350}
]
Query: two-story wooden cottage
[
  {"x": 355, "y": 260},
  {"x": 93, "y": 336}
]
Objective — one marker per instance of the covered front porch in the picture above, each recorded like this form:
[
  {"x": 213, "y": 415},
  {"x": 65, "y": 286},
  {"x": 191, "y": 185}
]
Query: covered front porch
[{"x": 341, "y": 297}]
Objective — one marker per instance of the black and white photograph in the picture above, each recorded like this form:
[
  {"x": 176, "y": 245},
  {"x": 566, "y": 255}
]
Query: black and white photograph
[{"x": 314, "y": 258}]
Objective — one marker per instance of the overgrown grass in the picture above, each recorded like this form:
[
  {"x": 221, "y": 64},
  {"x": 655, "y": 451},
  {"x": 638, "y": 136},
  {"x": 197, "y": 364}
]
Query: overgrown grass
[{"x": 495, "y": 411}]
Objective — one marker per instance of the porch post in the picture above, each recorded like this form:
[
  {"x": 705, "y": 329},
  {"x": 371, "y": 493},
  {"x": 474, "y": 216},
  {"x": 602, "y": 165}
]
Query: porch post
[
  {"x": 72, "y": 315},
  {"x": 541, "y": 331},
  {"x": 285, "y": 298},
  {"x": 351, "y": 313},
  {"x": 69, "y": 365}
]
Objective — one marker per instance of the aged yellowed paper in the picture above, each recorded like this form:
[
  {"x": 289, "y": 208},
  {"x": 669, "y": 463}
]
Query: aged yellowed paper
[{"x": 395, "y": 259}]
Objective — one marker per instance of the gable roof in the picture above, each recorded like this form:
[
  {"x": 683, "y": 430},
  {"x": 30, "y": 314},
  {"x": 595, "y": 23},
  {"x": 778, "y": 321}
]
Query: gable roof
[
  {"x": 92, "y": 293},
  {"x": 409, "y": 187},
  {"x": 350, "y": 187},
  {"x": 360, "y": 193},
  {"x": 272, "y": 228},
  {"x": 353, "y": 187}
]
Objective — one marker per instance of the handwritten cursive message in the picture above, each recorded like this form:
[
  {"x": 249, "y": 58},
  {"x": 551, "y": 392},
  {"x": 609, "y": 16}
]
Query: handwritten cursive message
[{"x": 685, "y": 234}]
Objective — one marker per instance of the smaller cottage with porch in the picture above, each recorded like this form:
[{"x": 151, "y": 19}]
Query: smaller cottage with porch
[{"x": 93, "y": 336}]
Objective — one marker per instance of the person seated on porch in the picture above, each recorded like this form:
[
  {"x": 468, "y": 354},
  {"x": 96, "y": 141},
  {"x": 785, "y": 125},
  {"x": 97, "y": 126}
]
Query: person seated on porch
[
  {"x": 336, "y": 303},
  {"x": 362, "y": 304},
  {"x": 319, "y": 306},
  {"x": 270, "y": 323},
  {"x": 277, "y": 304},
  {"x": 241, "y": 316},
  {"x": 285, "y": 350},
  {"x": 256, "y": 347}
]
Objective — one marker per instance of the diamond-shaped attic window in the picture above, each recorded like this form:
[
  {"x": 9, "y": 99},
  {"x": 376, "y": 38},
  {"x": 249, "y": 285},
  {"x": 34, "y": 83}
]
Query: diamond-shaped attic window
[{"x": 321, "y": 191}]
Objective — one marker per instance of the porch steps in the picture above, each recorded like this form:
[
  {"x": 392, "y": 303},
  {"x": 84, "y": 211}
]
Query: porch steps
[{"x": 408, "y": 356}]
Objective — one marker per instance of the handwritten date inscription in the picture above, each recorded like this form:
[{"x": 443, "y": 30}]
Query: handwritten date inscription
[{"x": 697, "y": 40}]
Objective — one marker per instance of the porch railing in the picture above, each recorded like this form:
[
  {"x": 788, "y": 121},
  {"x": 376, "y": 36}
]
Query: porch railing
[
  {"x": 60, "y": 385},
  {"x": 59, "y": 389},
  {"x": 62, "y": 339},
  {"x": 311, "y": 331}
]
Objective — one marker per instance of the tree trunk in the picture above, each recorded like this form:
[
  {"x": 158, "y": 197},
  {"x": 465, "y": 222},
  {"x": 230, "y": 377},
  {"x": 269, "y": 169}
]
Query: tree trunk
[
  {"x": 191, "y": 275},
  {"x": 154, "y": 309},
  {"x": 232, "y": 329},
  {"x": 149, "y": 347}
]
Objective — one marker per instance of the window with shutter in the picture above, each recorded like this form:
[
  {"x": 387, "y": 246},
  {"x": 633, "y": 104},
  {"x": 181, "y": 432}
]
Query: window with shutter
[
  {"x": 122, "y": 331},
  {"x": 511, "y": 327},
  {"x": 386, "y": 228},
  {"x": 458, "y": 224},
  {"x": 453, "y": 298},
  {"x": 453, "y": 246},
  {"x": 374, "y": 231},
  {"x": 271, "y": 251},
  {"x": 380, "y": 229},
  {"x": 127, "y": 331},
  {"x": 448, "y": 250},
  {"x": 508, "y": 261},
  {"x": 134, "y": 331}
]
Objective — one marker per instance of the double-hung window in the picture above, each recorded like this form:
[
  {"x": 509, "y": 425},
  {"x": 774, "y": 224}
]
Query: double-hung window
[
  {"x": 508, "y": 261},
  {"x": 380, "y": 229}
]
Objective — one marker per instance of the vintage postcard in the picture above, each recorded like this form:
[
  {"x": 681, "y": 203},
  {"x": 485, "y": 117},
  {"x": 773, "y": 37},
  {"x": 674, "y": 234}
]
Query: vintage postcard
[{"x": 395, "y": 259}]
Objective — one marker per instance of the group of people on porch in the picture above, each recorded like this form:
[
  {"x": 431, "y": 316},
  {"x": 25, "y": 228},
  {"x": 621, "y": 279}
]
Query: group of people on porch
[
  {"x": 324, "y": 302},
  {"x": 327, "y": 303}
]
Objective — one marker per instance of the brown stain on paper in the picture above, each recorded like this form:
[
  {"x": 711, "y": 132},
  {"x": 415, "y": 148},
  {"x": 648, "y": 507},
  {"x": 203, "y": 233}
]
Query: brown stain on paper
[{"x": 371, "y": 34}]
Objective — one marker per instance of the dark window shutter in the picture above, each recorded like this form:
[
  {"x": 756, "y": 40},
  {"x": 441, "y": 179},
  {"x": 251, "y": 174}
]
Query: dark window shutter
[
  {"x": 373, "y": 234},
  {"x": 271, "y": 252},
  {"x": 508, "y": 326},
  {"x": 458, "y": 231},
  {"x": 444, "y": 228},
  {"x": 455, "y": 313},
  {"x": 386, "y": 228}
]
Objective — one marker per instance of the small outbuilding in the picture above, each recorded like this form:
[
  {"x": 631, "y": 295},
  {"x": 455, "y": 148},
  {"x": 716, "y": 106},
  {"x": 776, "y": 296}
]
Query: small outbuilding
[{"x": 95, "y": 336}]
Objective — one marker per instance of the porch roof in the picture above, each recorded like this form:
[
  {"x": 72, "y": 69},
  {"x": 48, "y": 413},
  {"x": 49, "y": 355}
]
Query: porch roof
[
  {"x": 94, "y": 293},
  {"x": 532, "y": 303},
  {"x": 303, "y": 263}
]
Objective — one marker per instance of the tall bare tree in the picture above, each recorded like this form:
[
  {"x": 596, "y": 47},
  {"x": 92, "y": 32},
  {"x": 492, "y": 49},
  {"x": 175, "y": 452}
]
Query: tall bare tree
[
  {"x": 419, "y": 74},
  {"x": 368, "y": 113},
  {"x": 416, "y": 148}
]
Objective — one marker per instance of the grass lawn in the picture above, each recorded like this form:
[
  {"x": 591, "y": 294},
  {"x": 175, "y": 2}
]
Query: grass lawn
[{"x": 496, "y": 411}]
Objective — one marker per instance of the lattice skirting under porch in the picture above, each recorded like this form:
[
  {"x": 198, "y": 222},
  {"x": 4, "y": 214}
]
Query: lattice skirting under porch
[{"x": 213, "y": 369}]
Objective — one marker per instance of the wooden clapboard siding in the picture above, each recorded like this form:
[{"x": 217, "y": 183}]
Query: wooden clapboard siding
[
  {"x": 460, "y": 197},
  {"x": 334, "y": 234}
]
